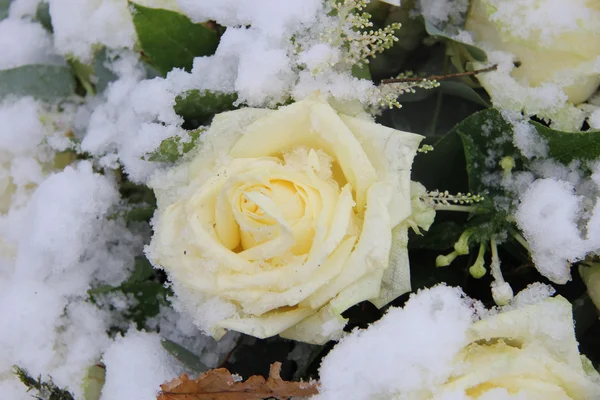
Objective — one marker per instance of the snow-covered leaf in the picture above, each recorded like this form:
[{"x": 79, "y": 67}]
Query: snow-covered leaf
[
  {"x": 171, "y": 149},
  {"x": 202, "y": 105}
]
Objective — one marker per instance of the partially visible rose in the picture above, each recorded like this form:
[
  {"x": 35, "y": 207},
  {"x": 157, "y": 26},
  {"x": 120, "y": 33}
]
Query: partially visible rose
[
  {"x": 546, "y": 52},
  {"x": 556, "y": 52},
  {"x": 530, "y": 352},
  {"x": 284, "y": 219},
  {"x": 442, "y": 346}
]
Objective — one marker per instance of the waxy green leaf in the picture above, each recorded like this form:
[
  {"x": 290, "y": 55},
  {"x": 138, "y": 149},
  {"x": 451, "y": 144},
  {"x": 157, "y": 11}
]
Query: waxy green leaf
[{"x": 171, "y": 40}]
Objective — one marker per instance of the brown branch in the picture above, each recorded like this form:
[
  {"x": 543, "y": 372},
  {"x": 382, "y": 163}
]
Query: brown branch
[{"x": 441, "y": 77}]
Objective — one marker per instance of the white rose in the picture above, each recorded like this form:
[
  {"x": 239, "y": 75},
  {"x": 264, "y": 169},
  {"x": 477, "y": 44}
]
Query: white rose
[{"x": 284, "y": 219}]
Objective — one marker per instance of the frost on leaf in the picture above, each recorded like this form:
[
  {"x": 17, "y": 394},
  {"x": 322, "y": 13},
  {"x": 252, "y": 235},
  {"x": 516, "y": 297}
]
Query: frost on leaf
[{"x": 219, "y": 384}]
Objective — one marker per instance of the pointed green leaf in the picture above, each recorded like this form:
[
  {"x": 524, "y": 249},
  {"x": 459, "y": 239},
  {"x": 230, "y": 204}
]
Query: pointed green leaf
[
  {"x": 42, "y": 81},
  {"x": 185, "y": 356},
  {"x": 171, "y": 149},
  {"x": 169, "y": 39}
]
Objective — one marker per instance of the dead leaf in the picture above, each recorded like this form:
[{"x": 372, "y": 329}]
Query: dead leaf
[{"x": 219, "y": 384}]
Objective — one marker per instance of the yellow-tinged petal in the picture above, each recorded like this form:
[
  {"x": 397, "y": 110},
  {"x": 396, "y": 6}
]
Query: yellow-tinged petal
[
  {"x": 391, "y": 152},
  {"x": 370, "y": 254},
  {"x": 268, "y": 324},
  {"x": 314, "y": 125},
  {"x": 319, "y": 328}
]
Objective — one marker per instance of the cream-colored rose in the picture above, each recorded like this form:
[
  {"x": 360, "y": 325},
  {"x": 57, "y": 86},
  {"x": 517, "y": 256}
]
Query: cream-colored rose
[
  {"x": 556, "y": 45},
  {"x": 529, "y": 352},
  {"x": 283, "y": 220},
  {"x": 550, "y": 46}
]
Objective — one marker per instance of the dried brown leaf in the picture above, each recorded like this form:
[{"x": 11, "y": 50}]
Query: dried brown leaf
[{"x": 219, "y": 384}]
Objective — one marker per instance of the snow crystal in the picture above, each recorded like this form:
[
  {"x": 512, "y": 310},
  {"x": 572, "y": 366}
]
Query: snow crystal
[
  {"x": 23, "y": 42},
  {"x": 548, "y": 215},
  {"x": 79, "y": 26},
  {"x": 136, "y": 366},
  {"x": 526, "y": 138},
  {"x": 406, "y": 359}
]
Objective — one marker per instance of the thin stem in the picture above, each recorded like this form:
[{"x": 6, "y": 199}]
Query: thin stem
[
  {"x": 521, "y": 241},
  {"x": 495, "y": 264},
  {"x": 441, "y": 77}
]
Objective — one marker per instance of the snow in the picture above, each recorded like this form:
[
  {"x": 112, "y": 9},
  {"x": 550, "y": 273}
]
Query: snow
[
  {"x": 136, "y": 366},
  {"x": 407, "y": 360},
  {"x": 525, "y": 136},
  {"x": 33, "y": 47},
  {"x": 439, "y": 12},
  {"x": 58, "y": 244},
  {"x": 548, "y": 215},
  {"x": 80, "y": 26}
]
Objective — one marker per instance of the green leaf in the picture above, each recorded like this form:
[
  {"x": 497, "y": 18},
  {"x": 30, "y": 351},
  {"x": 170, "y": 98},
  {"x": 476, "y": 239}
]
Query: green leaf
[
  {"x": 568, "y": 146},
  {"x": 4, "y": 6},
  {"x": 171, "y": 149},
  {"x": 203, "y": 105},
  {"x": 169, "y": 39},
  {"x": 185, "y": 356},
  {"x": 142, "y": 271},
  {"x": 45, "y": 82},
  {"x": 42, "y": 14},
  {"x": 474, "y": 51}
]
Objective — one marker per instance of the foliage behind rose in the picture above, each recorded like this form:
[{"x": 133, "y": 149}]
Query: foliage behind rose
[{"x": 284, "y": 219}]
